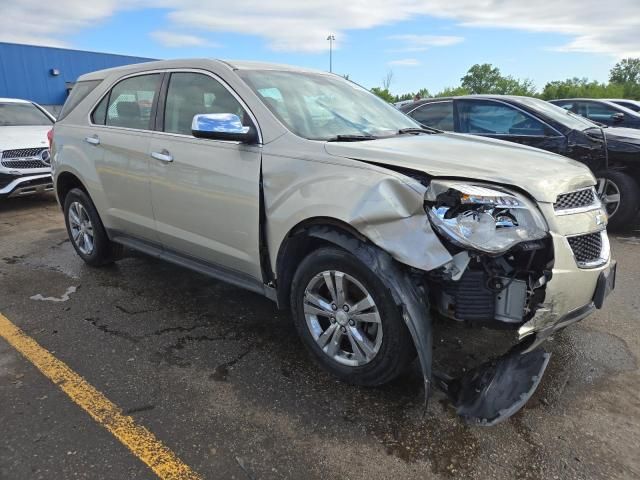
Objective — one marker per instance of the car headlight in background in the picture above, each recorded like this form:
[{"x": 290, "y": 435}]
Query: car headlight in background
[{"x": 482, "y": 217}]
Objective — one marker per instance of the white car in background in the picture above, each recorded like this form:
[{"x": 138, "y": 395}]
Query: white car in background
[{"x": 25, "y": 163}]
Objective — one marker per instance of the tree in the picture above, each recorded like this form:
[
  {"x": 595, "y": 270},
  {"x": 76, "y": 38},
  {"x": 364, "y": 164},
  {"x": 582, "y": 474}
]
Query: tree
[
  {"x": 386, "y": 81},
  {"x": 511, "y": 86},
  {"x": 384, "y": 94},
  {"x": 581, "y": 88},
  {"x": 452, "y": 92},
  {"x": 626, "y": 71},
  {"x": 481, "y": 78}
]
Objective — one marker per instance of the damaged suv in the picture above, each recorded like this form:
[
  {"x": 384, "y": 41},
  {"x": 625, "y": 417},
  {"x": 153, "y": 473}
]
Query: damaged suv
[{"x": 306, "y": 188}]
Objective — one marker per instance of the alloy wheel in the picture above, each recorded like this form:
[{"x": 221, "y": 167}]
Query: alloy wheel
[
  {"x": 81, "y": 228},
  {"x": 609, "y": 195},
  {"x": 343, "y": 318}
]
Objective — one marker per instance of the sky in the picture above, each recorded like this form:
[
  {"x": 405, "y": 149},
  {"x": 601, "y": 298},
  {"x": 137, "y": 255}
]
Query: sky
[{"x": 425, "y": 44}]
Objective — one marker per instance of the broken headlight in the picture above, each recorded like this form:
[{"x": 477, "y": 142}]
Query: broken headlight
[{"x": 482, "y": 217}]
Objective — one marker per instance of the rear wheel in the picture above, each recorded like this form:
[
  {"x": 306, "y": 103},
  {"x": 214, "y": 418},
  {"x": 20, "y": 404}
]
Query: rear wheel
[
  {"x": 86, "y": 231},
  {"x": 348, "y": 319},
  {"x": 620, "y": 196}
]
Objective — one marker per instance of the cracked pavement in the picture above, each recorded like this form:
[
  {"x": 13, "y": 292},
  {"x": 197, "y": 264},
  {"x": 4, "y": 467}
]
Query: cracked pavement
[{"x": 220, "y": 377}]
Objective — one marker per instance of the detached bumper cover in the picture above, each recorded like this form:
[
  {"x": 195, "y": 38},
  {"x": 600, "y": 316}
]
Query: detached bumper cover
[{"x": 494, "y": 391}]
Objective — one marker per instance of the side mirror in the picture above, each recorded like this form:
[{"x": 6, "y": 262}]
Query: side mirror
[
  {"x": 222, "y": 126},
  {"x": 617, "y": 117}
]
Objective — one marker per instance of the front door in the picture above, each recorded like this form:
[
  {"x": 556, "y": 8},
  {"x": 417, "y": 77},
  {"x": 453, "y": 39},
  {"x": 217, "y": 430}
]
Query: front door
[
  {"x": 499, "y": 120},
  {"x": 205, "y": 193}
]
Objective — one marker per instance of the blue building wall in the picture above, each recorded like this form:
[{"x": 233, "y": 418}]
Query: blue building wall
[{"x": 25, "y": 70}]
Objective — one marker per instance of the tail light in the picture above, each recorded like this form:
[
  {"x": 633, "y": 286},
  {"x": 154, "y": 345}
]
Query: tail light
[{"x": 50, "y": 137}]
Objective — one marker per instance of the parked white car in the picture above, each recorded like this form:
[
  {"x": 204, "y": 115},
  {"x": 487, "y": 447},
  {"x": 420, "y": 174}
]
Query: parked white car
[{"x": 25, "y": 166}]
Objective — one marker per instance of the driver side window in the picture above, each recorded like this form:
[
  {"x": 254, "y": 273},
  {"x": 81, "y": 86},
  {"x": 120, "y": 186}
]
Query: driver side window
[
  {"x": 191, "y": 94},
  {"x": 493, "y": 118},
  {"x": 600, "y": 112}
]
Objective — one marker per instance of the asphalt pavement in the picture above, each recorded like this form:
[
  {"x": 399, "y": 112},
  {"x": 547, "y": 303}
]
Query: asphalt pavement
[{"x": 218, "y": 376}]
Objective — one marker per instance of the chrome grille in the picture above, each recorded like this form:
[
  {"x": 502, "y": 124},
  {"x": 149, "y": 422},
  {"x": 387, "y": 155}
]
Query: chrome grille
[
  {"x": 578, "y": 199},
  {"x": 22, "y": 153},
  {"x": 24, "y": 158},
  {"x": 587, "y": 249}
]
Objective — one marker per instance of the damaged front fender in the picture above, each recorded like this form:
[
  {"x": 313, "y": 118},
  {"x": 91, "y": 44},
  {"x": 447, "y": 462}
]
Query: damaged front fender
[{"x": 382, "y": 205}]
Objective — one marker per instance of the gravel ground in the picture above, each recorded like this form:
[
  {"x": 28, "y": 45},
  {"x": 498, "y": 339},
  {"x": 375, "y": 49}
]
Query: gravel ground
[{"x": 220, "y": 377}]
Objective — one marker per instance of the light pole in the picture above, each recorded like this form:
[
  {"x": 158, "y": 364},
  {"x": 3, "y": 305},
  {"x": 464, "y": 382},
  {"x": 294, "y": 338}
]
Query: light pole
[{"x": 331, "y": 39}]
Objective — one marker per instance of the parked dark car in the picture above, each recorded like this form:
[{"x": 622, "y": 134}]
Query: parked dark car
[
  {"x": 601, "y": 111},
  {"x": 612, "y": 154},
  {"x": 625, "y": 102}
]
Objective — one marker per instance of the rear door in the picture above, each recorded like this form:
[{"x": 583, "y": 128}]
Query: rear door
[
  {"x": 496, "y": 119},
  {"x": 435, "y": 114},
  {"x": 122, "y": 123},
  {"x": 205, "y": 192}
]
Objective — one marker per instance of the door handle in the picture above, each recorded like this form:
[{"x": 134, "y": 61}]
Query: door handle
[
  {"x": 163, "y": 156},
  {"x": 93, "y": 140}
]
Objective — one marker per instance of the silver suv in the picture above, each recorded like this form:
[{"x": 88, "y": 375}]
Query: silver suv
[{"x": 302, "y": 186}]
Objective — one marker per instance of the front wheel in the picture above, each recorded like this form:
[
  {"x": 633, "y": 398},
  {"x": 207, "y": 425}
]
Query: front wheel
[
  {"x": 348, "y": 319},
  {"x": 620, "y": 197}
]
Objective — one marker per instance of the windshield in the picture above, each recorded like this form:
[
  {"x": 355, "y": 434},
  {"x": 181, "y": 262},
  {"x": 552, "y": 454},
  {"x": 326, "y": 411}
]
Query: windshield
[
  {"x": 558, "y": 114},
  {"x": 324, "y": 107},
  {"x": 22, "y": 114}
]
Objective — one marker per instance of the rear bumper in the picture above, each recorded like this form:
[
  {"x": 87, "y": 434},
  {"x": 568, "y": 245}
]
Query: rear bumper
[{"x": 27, "y": 185}]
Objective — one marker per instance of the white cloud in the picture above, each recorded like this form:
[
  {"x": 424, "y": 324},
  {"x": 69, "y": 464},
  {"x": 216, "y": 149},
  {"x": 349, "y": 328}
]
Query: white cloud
[
  {"x": 176, "y": 40},
  {"x": 419, "y": 43},
  {"x": 405, "y": 62},
  {"x": 294, "y": 25}
]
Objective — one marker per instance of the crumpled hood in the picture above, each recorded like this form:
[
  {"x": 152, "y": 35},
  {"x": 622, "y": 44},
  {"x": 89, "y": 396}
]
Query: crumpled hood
[
  {"x": 543, "y": 175},
  {"x": 24, "y": 137}
]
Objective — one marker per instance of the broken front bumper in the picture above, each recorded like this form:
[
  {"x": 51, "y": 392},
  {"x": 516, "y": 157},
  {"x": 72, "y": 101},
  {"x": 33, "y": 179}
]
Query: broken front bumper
[
  {"x": 572, "y": 293},
  {"x": 495, "y": 390}
]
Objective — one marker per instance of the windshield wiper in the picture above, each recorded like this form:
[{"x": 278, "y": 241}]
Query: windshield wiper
[
  {"x": 404, "y": 131},
  {"x": 351, "y": 138}
]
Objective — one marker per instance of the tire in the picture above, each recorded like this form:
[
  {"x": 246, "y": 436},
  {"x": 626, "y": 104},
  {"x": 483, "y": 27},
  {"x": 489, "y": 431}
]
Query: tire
[
  {"x": 78, "y": 205},
  {"x": 395, "y": 349},
  {"x": 623, "y": 216}
]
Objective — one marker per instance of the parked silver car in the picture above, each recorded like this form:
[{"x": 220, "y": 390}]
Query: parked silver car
[
  {"x": 25, "y": 166},
  {"x": 304, "y": 187}
]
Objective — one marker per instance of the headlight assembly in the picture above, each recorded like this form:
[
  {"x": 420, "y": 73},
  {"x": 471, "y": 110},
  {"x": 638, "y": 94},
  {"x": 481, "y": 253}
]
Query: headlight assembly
[{"x": 482, "y": 217}]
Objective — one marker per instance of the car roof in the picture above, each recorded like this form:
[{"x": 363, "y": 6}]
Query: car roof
[
  {"x": 13, "y": 100},
  {"x": 601, "y": 100},
  {"x": 196, "y": 63},
  {"x": 423, "y": 101},
  {"x": 630, "y": 100}
]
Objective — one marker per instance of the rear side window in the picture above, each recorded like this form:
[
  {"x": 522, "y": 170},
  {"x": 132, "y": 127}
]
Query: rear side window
[
  {"x": 437, "y": 115},
  {"x": 78, "y": 93},
  {"x": 99, "y": 114},
  {"x": 129, "y": 103}
]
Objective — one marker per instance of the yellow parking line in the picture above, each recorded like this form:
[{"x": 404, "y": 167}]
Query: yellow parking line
[{"x": 142, "y": 443}]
